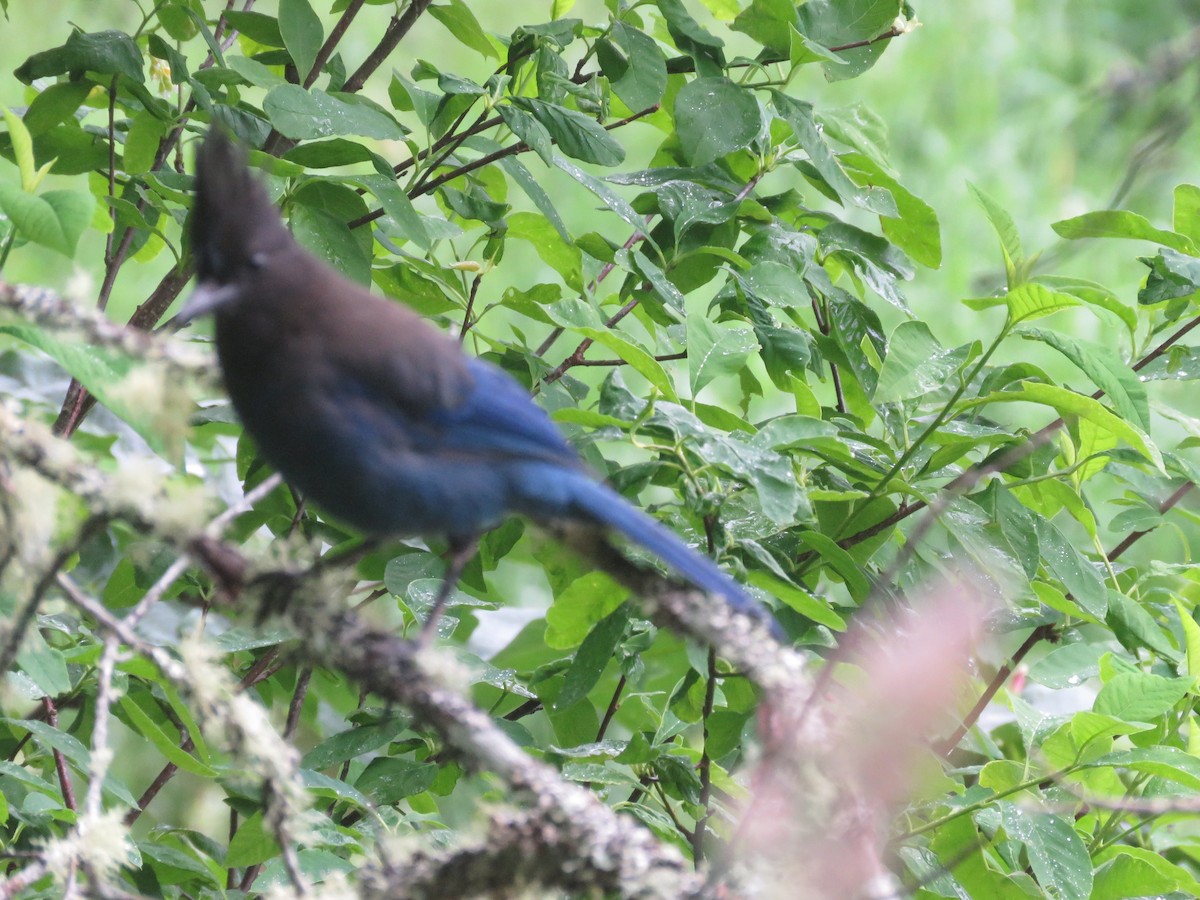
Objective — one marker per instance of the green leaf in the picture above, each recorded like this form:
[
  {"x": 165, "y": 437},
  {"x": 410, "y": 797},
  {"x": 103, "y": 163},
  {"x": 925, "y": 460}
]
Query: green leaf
[
  {"x": 914, "y": 228},
  {"x": 797, "y": 599},
  {"x": 106, "y": 52},
  {"x": 461, "y": 22},
  {"x": 1067, "y": 666},
  {"x": 853, "y": 323},
  {"x": 770, "y": 22},
  {"x": 1072, "y": 568},
  {"x": 1010, "y": 238},
  {"x": 333, "y": 788},
  {"x": 1107, "y": 371},
  {"x": 714, "y": 117},
  {"x": 397, "y": 205},
  {"x": 1177, "y": 364},
  {"x": 690, "y": 36},
  {"x": 916, "y": 364},
  {"x": 354, "y": 742},
  {"x": 1136, "y": 628},
  {"x": 835, "y": 23},
  {"x": 565, "y": 258},
  {"x": 576, "y": 610},
  {"x": 53, "y": 738},
  {"x": 1093, "y": 294},
  {"x": 55, "y": 105},
  {"x": 1056, "y": 853},
  {"x": 1032, "y": 301},
  {"x": 474, "y": 204},
  {"x": 1120, "y": 223},
  {"x": 874, "y": 259},
  {"x": 1069, "y": 403},
  {"x": 259, "y": 75},
  {"x": 141, "y": 143},
  {"x": 634, "y": 66},
  {"x": 1127, "y": 876},
  {"x": 1141, "y": 697},
  {"x": 1116, "y": 882},
  {"x": 769, "y": 472},
  {"x": 529, "y": 130},
  {"x": 306, "y": 114},
  {"x": 251, "y": 845},
  {"x": 106, "y": 375},
  {"x": 610, "y": 198},
  {"x": 577, "y": 135},
  {"x": 177, "y": 20},
  {"x": 302, "y": 34},
  {"x": 1166, "y": 762},
  {"x": 592, "y": 657},
  {"x": 662, "y": 286},
  {"x": 1186, "y": 216},
  {"x": 22, "y": 147},
  {"x": 840, "y": 561},
  {"x": 326, "y": 236},
  {"x": 1172, "y": 275},
  {"x": 45, "y": 665},
  {"x": 799, "y": 115},
  {"x": 715, "y": 350},
  {"x": 55, "y": 219},
  {"x": 524, "y": 179},
  {"x": 582, "y": 319},
  {"x": 1191, "y": 633},
  {"x": 389, "y": 780},
  {"x": 259, "y": 27},
  {"x": 405, "y": 95},
  {"x": 775, "y": 284},
  {"x": 167, "y": 744}
]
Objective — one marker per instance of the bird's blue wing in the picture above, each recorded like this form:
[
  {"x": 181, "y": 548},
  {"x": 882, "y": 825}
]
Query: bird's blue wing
[
  {"x": 498, "y": 416},
  {"x": 487, "y": 413}
]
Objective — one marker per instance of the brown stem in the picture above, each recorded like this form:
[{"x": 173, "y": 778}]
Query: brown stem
[
  {"x": 972, "y": 476},
  {"x": 396, "y": 30},
  {"x": 1135, "y": 536},
  {"x": 60, "y": 762},
  {"x": 710, "y": 695},
  {"x": 297, "y": 704},
  {"x": 253, "y": 675},
  {"x": 1045, "y": 632},
  {"x": 665, "y": 357},
  {"x": 78, "y": 402},
  {"x": 335, "y": 36},
  {"x": 467, "y": 321},
  {"x": 605, "y": 270},
  {"x": 426, "y": 187},
  {"x": 1039, "y": 634},
  {"x": 614, "y": 704},
  {"x": 577, "y": 356}
]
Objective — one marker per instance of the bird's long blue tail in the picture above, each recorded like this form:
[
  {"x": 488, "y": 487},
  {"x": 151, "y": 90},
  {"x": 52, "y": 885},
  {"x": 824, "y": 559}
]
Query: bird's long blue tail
[{"x": 602, "y": 504}]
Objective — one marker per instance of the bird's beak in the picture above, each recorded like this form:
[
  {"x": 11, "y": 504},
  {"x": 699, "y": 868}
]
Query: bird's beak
[{"x": 207, "y": 298}]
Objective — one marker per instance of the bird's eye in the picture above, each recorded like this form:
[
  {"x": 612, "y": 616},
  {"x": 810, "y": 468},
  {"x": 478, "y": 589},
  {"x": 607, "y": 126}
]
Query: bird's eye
[{"x": 258, "y": 260}]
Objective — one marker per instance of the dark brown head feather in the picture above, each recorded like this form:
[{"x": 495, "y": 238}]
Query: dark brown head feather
[{"x": 233, "y": 219}]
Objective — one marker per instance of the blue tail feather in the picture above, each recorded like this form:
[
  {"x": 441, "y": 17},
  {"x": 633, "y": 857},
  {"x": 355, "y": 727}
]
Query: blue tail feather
[{"x": 602, "y": 504}]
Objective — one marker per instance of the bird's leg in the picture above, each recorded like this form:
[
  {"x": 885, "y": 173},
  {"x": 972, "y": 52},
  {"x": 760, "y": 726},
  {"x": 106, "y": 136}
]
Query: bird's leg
[
  {"x": 460, "y": 553},
  {"x": 278, "y": 586}
]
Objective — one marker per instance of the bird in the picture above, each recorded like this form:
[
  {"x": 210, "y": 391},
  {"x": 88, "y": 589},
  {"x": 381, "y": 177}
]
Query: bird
[{"x": 376, "y": 416}]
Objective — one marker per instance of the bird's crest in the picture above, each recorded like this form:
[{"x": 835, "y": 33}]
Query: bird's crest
[{"x": 233, "y": 218}]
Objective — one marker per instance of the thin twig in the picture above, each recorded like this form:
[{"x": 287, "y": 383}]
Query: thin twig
[
  {"x": 335, "y": 36},
  {"x": 60, "y": 762},
  {"x": 396, "y": 30}
]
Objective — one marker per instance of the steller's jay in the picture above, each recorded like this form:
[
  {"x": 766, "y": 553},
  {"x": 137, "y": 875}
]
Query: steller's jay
[{"x": 376, "y": 416}]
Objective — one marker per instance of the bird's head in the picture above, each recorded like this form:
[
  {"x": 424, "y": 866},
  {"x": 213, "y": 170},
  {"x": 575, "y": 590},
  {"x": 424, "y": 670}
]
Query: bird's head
[{"x": 235, "y": 231}]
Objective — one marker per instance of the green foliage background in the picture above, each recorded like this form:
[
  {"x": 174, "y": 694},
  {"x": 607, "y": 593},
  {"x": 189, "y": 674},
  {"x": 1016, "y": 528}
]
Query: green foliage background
[{"x": 844, "y": 312}]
